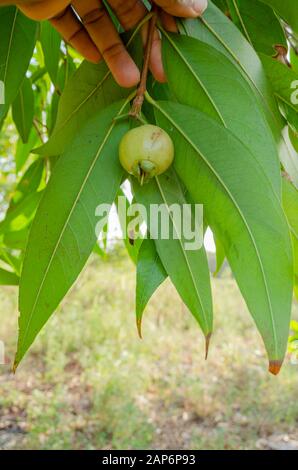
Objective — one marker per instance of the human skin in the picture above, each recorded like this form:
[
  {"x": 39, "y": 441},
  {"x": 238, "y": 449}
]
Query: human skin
[{"x": 95, "y": 36}]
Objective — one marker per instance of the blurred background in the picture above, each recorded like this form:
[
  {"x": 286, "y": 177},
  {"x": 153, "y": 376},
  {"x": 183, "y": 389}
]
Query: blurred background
[{"x": 89, "y": 382}]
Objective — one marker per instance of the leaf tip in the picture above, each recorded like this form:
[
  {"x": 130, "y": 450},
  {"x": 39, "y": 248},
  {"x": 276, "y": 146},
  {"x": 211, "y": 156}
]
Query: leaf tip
[
  {"x": 274, "y": 367},
  {"x": 207, "y": 344},
  {"x": 139, "y": 327},
  {"x": 15, "y": 366}
]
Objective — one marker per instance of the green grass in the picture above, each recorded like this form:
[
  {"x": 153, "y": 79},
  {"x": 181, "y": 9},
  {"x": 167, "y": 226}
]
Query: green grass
[{"x": 89, "y": 382}]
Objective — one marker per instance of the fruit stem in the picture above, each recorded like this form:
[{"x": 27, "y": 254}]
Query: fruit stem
[
  {"x": 124, "y": 117},
  {"x": 139, "y": 99},
  {"x": 139, "y": 26}
]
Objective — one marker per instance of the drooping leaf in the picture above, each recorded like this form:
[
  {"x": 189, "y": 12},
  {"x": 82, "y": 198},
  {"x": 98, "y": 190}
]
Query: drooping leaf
[
  {"x": 294, "y": 58},
  {"x": 23, "y": 110},
  {"x": 217, "y": 30},
  {"x": 17, "y": 40},
  {"x": 150, "y": 275},
  {"x": 187, "y": 267},
  {"x": 286, "y": 9},
  {"x": 60, "y": 241},
  {"x": 220, "y": 256},
  {"x": 21, "y": 215},
  {"x": 30, "y": 182},
  {"x": 222, "y": 5},
  {"x": 202, "y": 77},
  {"x": 64, "y": 74},
  {"x": 283, "y": 80},
  {"x": 8, "y": 278},
  {"x": 132, "y": 241},
  {"x": 243, "y": 212},
  {"x": 258, "y": 24},
  {"x": 16, "y": 240},
  {"x": 290, "y": 204},
  {"x": 11, "y": 259},
  {"x": 50, "y": 42},
  {"x": 89, "y": 90},
  {"x": 23, "y": 150}
]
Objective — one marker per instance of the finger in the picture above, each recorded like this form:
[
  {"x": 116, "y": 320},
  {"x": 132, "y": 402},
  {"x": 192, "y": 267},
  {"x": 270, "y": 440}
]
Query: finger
[
  {"x": 128, "y": 12},
  {"x": 43, "y": 10},
  {"x": 183, "y": 8},
  {"x": 104, "y": 34},
  {"x": 155, "y": 63},
  {"x": 74, "y": 33},
  {"x": 168, "y": 22}
]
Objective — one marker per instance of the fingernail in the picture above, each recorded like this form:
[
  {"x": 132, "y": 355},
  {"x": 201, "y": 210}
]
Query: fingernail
[{"x": 199, "y": 5}]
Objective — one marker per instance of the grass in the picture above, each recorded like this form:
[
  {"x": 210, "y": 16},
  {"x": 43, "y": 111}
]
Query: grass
[{"x": 90, "y": 383}]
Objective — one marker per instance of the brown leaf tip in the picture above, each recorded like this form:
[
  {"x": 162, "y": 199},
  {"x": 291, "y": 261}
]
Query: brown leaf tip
[
  {"x": 139, "y": 328},
  {"x": 207, "y": 344},
  {"x": 14, "y": 367},
  {"x": 274, "y": 367}
]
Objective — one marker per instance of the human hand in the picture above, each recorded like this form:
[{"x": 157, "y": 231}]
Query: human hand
[{"x": 87, "y": 26}]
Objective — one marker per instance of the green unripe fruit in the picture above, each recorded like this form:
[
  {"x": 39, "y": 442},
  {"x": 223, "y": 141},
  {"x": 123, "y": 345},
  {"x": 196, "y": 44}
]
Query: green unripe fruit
[{"x": 146, "y": 151}]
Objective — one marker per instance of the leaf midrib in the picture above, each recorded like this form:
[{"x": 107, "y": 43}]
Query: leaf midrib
[
  {"x": 77, "y": 109},
  {"x": 238, "y": 210},
  {"x": 201, "y": 84},
  {"x": 241, "y": 21},
  {"x": 184, "y": 254}
]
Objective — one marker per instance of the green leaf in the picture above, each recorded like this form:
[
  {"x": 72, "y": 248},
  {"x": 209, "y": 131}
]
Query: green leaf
[
  {"x": 17, "y": 40},
  {"x": 50, "y": 42},
  {"x": 89, "y": 90},
  {"x": 258, "y": 24},
  {"x": 294, "y": 58},
  {"x": 187, "y": 268},
  {"x": 220, "y": 256},
  {"x": 23, "y": 150},
  {"x": 284, "y": 81},
  {"x": 286, "y": 9},
  {"x": 60, "y": 241},
  {"x": 21, "y": 215},
  {"x": 217, "y": 30},
  {"x": 222, "y": 5},
  {"x": 243, "y": 212},
  {"x": 30, "y": 182},
  {"x": 290, "y": 204},
  {"x": 293, "y": 136},
  {"x": 13, "y": 260},
  {"x": 132, "y": 245},
  {"x": 16, "y": 240},
  {"x": 8, "y": 278},
  {"x": 23, "y": 110},
  {"x": 202, "y": 77},
  {"x": 63, "y": 76},
  {"x": 150, "y": 275}
]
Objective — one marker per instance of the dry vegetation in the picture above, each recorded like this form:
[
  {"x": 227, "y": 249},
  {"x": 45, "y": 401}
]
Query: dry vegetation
[{"x": 89, "y": 382}]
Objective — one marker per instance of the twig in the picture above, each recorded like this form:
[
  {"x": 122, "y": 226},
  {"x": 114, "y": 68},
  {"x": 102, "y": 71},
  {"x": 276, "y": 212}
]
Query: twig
[
  {"x": 139, "y": 99},
  {"x": 40, "y": 134}
]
